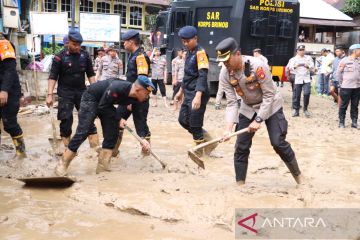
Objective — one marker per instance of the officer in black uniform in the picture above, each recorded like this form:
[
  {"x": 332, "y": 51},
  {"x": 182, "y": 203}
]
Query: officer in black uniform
[
  {"x": 195, "y": 89},
  {"x": 138, "y": 64},
  {"x": 10, "y": 93},
  {"x": 98, "y": 101},
  {"x": 69, "y": 68}
]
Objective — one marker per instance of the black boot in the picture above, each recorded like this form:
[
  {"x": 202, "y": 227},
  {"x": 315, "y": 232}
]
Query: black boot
[
  {"x": 295, "y": 113},
  {"x": 294, "y": 170},
  {"x": 354, "y": 123}
]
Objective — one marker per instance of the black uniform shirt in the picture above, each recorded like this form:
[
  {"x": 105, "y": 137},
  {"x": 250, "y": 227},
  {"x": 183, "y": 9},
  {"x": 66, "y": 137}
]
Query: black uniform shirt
[
  {"x": 69, "y": 70},
  {"x": 138, "y": 64}
]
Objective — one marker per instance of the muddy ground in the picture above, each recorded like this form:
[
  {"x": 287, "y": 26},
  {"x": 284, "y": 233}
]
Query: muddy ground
[{"x": 138, "y": 200}]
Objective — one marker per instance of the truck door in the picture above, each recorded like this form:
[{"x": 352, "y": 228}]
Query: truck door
[{"x": 180, "y": 17}]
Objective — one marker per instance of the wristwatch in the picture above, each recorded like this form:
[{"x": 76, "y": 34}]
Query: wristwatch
[{"x": 258, "y": 119}]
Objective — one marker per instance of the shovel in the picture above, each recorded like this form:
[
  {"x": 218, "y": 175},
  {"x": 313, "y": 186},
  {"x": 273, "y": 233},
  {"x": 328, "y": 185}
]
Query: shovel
[
  {"x": 197, "y": 159},
  {"x": 46, "y": 182},
  {"x": 54, "y": 140},
  {"x": 151, "y": 151}
]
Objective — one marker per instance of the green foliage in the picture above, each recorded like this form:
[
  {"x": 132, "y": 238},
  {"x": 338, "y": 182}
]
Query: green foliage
[
  {"x": 352, "y": 7},
  {"x": 49, "y": 50}
]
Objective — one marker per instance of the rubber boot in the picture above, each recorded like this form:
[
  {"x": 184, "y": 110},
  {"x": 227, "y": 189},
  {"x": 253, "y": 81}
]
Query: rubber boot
[
  {"x": 294, "y": 170},
  {"x": 66, "y": 141},
  {"x": 104, "y": 160},
  {"x": 19, "y": 146},
  {"x": 199, "y": 152},
  {"x": 210, "y": 148},
  {"x": 93, "y": 140},
  {"x": 63, "y": 164},
  {"x": 354, "y": 123},
  {"x": 118, "y": 143},
  {"x": 146, "y": 153}
]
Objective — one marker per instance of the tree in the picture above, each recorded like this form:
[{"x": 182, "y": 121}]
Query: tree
[{"x": 352, "y": 7}]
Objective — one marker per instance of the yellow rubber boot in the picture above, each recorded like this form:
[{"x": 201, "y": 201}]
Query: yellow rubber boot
[{"x": 19, "y": 146}]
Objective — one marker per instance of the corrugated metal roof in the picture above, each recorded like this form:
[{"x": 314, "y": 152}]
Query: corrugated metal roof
[{"x": 318, "y": 9}]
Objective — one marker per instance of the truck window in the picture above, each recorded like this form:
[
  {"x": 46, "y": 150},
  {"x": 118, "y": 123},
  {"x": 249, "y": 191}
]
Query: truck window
[
  {"x": 172, "y": 28},
  {"x": 180, "y": 20},
  {"x": 258, "y": 27},
  {"x": 285, "y": 27}
]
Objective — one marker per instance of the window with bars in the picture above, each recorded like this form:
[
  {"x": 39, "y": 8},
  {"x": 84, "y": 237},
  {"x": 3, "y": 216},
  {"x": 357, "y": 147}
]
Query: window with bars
[
  {"x": 103, "y": 6},
  {"x": 66, "y": 7},
  {"x": 120, "y": 8},
  {"x": 50, "y": 5},
  {"x": 136, "y": 16},
  {"x": 86, "y": 5}
]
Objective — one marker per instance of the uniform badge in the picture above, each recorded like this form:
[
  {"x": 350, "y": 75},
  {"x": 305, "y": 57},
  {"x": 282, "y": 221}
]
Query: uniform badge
[
  {"x": 142, "y": 65},
  {"x": 260, "y": 73},
  {"x": 202, "y": 60}
]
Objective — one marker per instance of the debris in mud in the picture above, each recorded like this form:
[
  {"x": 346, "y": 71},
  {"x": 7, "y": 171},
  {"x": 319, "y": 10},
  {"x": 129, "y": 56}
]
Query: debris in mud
[
  {"x": 3, "y": 219},
  {"x": 261, "y": 170}
]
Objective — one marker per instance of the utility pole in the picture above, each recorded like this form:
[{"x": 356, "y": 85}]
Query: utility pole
[{"x": 72, "y": 14}]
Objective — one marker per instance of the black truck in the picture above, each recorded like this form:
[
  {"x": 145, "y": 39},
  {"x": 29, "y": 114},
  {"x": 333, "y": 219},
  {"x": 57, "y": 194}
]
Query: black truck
[{"x": 271, "y": 25}]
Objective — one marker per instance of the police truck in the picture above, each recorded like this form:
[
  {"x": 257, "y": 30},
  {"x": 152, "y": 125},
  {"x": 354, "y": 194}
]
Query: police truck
[{"x": 270, "y": 25}]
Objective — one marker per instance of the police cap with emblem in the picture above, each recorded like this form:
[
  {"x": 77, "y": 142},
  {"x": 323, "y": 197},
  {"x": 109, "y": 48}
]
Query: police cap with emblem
[
  {"x": 187, "y": 32},
  {"x": 75, "y": 36},
  {"x": 354, "y": 46},
  {"x": 225, "y": 48},
  {"x": 130, "y": 34},
  {"x": 145, "y": 83}
]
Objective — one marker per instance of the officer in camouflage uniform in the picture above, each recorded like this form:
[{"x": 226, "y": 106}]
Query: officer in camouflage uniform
[
  {"x": 252, "y": 81},
  {"x": 10, "y": 93},
  {"x": 68, "y": 69}
]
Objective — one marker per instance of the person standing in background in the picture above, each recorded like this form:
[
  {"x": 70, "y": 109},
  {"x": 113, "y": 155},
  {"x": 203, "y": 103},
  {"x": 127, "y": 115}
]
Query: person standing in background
[{"x": 158, "y": 76}]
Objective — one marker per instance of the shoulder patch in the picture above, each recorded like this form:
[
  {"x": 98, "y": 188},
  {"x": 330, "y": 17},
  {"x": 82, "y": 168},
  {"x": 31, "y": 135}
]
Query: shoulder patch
[
  {"x": 260, "y": 73},
  {"x": 202, "y": 60},
  {"x": 142, "y": 65},
  {"x": 6, "y": 50}
]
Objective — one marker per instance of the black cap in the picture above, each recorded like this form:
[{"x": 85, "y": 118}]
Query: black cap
[
  {"x": 225, "y": 48},
  {"x": 301, "y": 47},
  {"x": 187, "y": 32},
  {"x": 75, "y": 36},
  {"x": 130, "y": 34}
]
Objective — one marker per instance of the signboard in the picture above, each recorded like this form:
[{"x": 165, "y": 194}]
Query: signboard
[
  {"x": 49, "y": 23},
  {"x": 100, "y": 27}
]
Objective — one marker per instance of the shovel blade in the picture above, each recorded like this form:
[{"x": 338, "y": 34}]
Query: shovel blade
[
  {"x": 48, "y": 181},
  {"x": 196, "y": 159}
]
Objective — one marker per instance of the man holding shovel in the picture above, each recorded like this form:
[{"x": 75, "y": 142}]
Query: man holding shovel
[
  {"x": 252, "y": 81},
  {"x": 98, "y": 101}
]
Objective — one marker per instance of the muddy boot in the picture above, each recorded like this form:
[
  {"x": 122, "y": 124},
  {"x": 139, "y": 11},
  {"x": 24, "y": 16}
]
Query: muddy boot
[
  {"x": 210, "y": 148},
  {"x": 93, "y": 140},
  {"x": 240, "y": 183},
  {"x": 104, "y": 160},
  {"x": 294, "y": 170},
  {"x": 199, "y": 152},
  {"x": 63, "y": 164},
  {"x": 146, "y": 153},
  {"x": 118, "y": 143},
  {"x": 19, "y": 146},
  {"x": 66, "y": 141}
]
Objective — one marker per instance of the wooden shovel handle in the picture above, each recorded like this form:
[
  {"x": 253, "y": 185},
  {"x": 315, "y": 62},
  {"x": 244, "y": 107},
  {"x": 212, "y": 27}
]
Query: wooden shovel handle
[{"x": 216, "y": 140}]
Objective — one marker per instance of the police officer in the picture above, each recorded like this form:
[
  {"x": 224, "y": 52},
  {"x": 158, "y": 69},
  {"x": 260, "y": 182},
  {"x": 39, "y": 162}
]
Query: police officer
[
  {"x": 334, "y": 85},
  {"x": 348, "y": 74},
  {"x": 138, "y": 64},
  {"x": 98, "y": 101},
  {"x": 68, "y": 69},
  {"x": 195, "y": 89},
  {"x": 10, "y": 93},
  {"x": 101, "y": 53},
  {"x": 252, "y": 80},
  {"x": 301, "y": 65},
  {"x": 158, "y": 75},
  {"x": 110, "y": 65},
  {"x": 178, "y": 66}
]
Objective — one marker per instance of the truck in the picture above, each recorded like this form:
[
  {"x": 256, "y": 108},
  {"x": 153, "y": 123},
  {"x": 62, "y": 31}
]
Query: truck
[{"x": 271, "y": 25}]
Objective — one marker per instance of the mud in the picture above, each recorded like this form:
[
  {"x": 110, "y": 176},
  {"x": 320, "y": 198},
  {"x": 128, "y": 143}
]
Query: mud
[{"x": 139, "y": 200}]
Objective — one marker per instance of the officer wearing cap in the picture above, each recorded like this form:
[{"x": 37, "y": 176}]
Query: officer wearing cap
[
  {"x": 348, "y": 74},
  {"x": 100, "y": 54},
  {"x": 195, "y": 89},
  {"x": 10, "y": 93},
  {"x": 110, "y": 65},
  {"x": 68, "y": 70},
  {"x": 252, "y": 81},
  {"x": 301, "y": 65},
  {"x": 98, "y": 101},
  {"x": 138, "y": 64}
]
